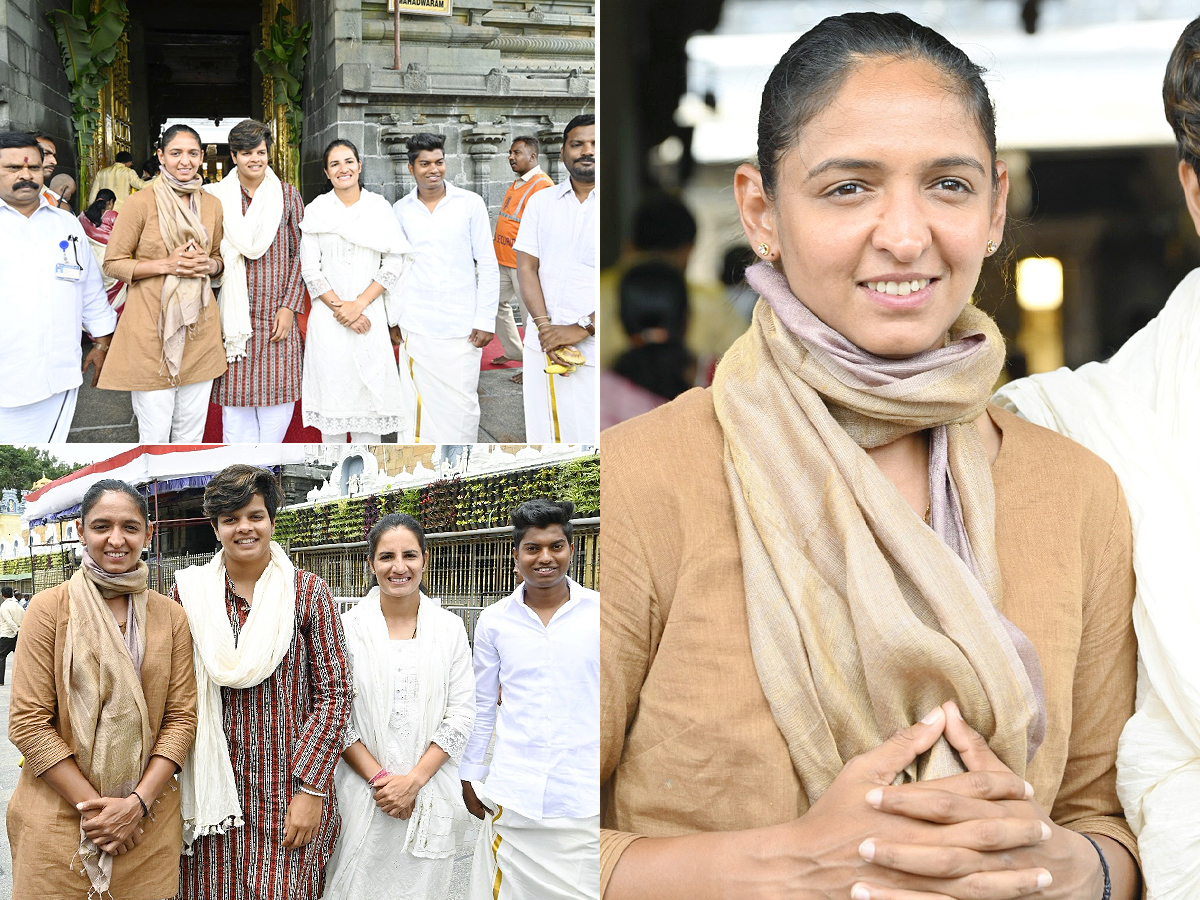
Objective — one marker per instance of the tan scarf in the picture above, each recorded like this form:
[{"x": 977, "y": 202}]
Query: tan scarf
[
  {"x": 862, "y": 618},
  {"x": 109, "y": 721},
  {"x": 182, "y": 298}
]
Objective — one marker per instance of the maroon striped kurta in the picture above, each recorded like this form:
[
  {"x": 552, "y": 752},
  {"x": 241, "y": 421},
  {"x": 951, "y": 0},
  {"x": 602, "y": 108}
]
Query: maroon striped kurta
[
  {"x": 283, "y": 731},
  {"x": 269, "y": 374}
]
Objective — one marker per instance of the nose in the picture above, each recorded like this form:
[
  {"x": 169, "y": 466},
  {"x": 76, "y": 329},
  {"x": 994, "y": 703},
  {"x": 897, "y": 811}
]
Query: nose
[{"x": 902, "y": 228}]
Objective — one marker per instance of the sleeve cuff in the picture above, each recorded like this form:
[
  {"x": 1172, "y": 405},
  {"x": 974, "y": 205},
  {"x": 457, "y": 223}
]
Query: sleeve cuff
[
  {"x": 39, "y": 760},
  {"x": 471, "y": 772},
  {"x": 1113, "y": 827},
  {"x": 612, "y": 845}
]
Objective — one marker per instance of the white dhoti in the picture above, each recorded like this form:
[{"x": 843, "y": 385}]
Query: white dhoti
[
  {"x": 441, "y": 396},
  {"x": 45, "y": 422},
  {"x": 537, "y": 859},
  {"x": 559, "y": 409}
]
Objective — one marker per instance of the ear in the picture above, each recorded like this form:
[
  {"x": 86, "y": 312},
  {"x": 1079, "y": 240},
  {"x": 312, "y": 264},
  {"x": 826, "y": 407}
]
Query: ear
[
  {"x": 756, "y": 209},
  {"x": 149, "y": 533},
  {"x": 999, "y": 203},
  {"x": 1191, "y": 192},
  {"x": 79, "y": 528}
]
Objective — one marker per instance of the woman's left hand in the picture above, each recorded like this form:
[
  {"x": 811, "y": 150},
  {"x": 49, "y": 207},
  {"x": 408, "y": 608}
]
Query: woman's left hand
[
  {"x": 950, "y": 867},
  {"x": 110, "y": 820},
  {"x": 396, "y": 794}
]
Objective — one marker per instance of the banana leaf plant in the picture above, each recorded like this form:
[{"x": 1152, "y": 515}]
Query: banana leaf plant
[
  {"x": 90, "y": 41},
  {"x": 282, "y": 60}
]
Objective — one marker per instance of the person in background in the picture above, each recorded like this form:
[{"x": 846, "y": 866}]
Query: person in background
[
  {"x": 538, "y": 794},
  {"x": 523, "y": 160},
  {"x": 260, "y": 293},
  {"x": 97, "y": 221},
  {"x": 119, "y": 178},
  {"x": 63, "y": 185},
  {"x": 11, "y": 614},
  {"x": 49, "y": 165}
]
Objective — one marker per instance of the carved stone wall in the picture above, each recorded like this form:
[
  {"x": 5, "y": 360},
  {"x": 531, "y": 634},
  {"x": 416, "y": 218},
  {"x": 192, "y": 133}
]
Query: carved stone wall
[
  {"x": 33, "y": 87},
  {"x": 493, "y": 70}
]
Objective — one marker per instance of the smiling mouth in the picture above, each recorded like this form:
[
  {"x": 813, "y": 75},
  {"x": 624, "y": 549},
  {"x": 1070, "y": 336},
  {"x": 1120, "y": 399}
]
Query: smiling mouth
[{"x": 898, "y": 288}]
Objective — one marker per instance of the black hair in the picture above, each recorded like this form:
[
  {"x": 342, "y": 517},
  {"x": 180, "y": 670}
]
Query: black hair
[
  {"x": 6, "y": 592},
  {"x": 663, "y": 222},
  {"x": 124, "y": 156},
  {"x": 102, "y": 487},
  {"x": 174, "y": 131},
  {"x": 424, "y": 140},
  {"x": 96, "y": 211},
  {"x": 235, "y": 486},
  {"x": 248, "y": 134},
  {"x": 654, "y": 313},
  {"x": 388, "y": 523},
  {"x": 529, "y": 141},
  {"x": 20, "y": 140},
  {"x": 734, "y": 263},
  {"x": 810, "y": 73},
  {"x": 541, "y": 513},
  {"x": 42, "y": 136},
  {"x": 1181, "y": 94},
  {"x": 580, "y": 121}
]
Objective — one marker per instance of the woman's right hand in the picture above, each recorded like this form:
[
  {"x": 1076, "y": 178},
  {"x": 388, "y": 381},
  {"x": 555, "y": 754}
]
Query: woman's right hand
[
  {"x": 185, "y": 261},
  {"x": 112, "y": 821}
]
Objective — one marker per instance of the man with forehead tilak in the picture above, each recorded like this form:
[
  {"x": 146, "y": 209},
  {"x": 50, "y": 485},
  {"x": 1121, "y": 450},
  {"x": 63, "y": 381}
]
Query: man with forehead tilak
[{"x": 50, "y": 289}]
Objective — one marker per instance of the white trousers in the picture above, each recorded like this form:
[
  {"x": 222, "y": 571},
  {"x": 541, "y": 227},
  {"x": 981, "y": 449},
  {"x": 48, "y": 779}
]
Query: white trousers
[
  {"x": 444, "y": 408},
  {"x": 506, "y": 326},
  {"x": 559, "y": 409},
  {"x": 540, "y": 859},
  {"x": 256, "y": 424},
  {"x": 356, "y": 437},
  {"x": 45, "y": 422},
  {"x": 172, "y": 415}
]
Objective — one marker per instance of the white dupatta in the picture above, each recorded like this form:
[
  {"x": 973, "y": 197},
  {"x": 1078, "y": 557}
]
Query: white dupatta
[
  {"x": 244, "y": 237},
  {"x": 208, "y": 795},
  {"x": 1140, "y": 412},
  {"x": 447, "y": 696}
]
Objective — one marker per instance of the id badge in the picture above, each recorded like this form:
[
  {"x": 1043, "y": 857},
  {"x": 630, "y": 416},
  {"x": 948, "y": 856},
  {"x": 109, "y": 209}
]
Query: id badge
[{"x": 67, "y": 272}]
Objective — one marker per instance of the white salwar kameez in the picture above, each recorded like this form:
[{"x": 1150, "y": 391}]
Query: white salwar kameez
[
  {"x": 1140, "y": 412},
  {"x": 350, "y": 380},
  {"x": 409, "y": 694}
]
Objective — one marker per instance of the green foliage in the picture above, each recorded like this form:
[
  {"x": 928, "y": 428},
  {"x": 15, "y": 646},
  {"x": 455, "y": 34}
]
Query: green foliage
[
  {"x": 20, "y": 467},
  {"x": 90, "y": 42},
  {"x": 282, "y": 60}
]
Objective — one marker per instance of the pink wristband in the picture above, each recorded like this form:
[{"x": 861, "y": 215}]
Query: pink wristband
[{"x": 371, "y": 781}]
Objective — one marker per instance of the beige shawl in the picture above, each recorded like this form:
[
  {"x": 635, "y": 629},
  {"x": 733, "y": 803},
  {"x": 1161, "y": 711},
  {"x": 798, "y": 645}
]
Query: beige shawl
[
  {"x": 862, "y": 619},
  {"x": 182, "y": 298},
  {"x": 109, "y": 721}
]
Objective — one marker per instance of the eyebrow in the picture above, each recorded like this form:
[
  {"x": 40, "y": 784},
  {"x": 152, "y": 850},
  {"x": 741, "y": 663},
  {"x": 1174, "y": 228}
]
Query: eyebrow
[{"x": 943, "y": 162}]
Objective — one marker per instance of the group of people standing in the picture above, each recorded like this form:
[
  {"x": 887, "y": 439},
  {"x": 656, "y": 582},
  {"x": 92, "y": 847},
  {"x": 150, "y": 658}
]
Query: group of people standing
[
  {"x": 403, "y": 299},
  {"x": 290, "y": 752}
]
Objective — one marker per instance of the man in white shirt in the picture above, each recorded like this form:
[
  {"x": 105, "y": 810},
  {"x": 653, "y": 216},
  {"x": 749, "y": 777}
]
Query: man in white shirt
[
  {"x": 556, "y": 265},
  {"x": 11, "y": 614},
  {"x": 50, "y": 288},
  {"x": 542, "y": 643},
  {"x": 450, "y": 293}
]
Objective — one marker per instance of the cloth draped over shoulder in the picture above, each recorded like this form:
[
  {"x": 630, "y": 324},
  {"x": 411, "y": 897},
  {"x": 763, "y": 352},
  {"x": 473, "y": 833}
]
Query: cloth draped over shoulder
[
  {"x": 209, "y": 797},
  {"x": 182, "y": 298},
  {"x": 368, "y": 223},
  {"x": 856, "y": 608},
  {"x": 98, "y": 236},
  {"x": 105, "y": 701},
  {"x": 1140, "y": 412},
  {"x": 243, "y": 237}
]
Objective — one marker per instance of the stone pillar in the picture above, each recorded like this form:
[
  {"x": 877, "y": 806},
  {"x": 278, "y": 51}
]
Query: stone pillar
[
  {"x": 484, "y": 142},
  {"x": 552, "y": 143}
]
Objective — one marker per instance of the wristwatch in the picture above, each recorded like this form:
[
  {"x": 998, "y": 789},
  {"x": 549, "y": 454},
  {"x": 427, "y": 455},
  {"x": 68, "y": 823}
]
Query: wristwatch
[{"x": 586, "y": 324}]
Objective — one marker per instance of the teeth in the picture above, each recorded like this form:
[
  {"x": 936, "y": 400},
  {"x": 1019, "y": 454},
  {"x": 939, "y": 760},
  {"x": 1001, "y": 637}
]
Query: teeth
[{"x": 898, "y": 288}]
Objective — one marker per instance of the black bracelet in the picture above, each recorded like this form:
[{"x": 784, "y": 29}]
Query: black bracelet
[
  {"x": 1107, "y": 895},
  {"x": 146, "y": 812}
]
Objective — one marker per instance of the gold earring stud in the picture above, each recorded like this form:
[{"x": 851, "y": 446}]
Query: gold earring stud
[
  {"x": 991, "y": 247},
  {"x": 763, "y": 250}
]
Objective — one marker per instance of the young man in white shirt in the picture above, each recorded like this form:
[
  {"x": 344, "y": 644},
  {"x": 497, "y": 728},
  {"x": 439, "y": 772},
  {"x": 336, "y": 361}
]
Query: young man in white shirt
[
  {"x": 556, "y": 265},
  {"x": 11, "y": 614},
  {"x": 450, "y": 293},
  {"x": 50, "y": 289},
  {"x": 542, "y": 644}
]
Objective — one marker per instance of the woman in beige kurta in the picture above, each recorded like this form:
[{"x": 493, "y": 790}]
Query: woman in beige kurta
[
  {"x": 44, "y": 827},
  {"x": 168, "y": 383}
]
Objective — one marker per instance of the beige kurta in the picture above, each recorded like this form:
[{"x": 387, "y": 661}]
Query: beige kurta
[
  {"x": 135, "y": 361},
  {"x": 43, "y": 829},
  {"x": 688, "y": 742}
]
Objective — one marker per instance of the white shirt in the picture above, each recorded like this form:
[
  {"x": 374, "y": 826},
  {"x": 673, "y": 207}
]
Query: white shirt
[
  {"x": 11, "y": 614},
  {"x": 41, "y": 315},
  {"x": 546, "y": 762},
  {"x": 561, "y": 232},
  {"x": 443, "y": 297}
]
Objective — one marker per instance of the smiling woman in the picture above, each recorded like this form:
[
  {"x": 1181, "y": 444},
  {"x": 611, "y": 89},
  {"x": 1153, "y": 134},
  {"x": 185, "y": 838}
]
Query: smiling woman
[{"x": 870, "y": 662}]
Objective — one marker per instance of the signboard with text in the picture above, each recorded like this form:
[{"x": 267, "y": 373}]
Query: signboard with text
[{"x": 422, "y": 7}]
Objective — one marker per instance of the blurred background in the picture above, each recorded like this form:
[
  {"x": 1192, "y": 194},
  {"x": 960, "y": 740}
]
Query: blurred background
[{"x": 1098, "y": 234}]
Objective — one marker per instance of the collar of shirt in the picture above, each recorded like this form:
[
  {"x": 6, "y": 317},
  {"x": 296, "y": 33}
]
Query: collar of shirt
[
  {"x": 565, "y": 189},
  {"x": 518, "y": 598},
  {"x": 451, "y": 192},
  {"x": 532, "y": 173},
  {"x": 42, "y": 204}
]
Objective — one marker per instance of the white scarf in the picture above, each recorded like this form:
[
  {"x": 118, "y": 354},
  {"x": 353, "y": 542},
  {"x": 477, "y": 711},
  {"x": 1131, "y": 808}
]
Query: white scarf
[
  {"x": 209, "y": 797},
  {"x": 245, "y": 237},
  {"x": 1140, "y": 412},
  {"x": 368, "y": 223},
  {"x": 447, "y": 696}
]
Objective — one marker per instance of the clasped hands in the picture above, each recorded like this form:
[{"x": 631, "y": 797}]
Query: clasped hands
[
  {"x": 188, "y": 261},
  {"x": 112, "y": 823},
  {"x": 396, "y": 795},
  {"x": 350, "y": 313},
  {"x": 971, "y": 836}
]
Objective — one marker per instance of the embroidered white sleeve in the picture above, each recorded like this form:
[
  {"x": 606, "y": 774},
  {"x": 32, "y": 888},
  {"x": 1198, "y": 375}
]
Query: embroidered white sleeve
[
  {"x": 317, "y": 286},
  {"x": 451, "y": 738},
  {"x": 349, "y": 736}
]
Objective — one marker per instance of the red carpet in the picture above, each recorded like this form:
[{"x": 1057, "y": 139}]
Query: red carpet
[{"x": 297, "y": 433}]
